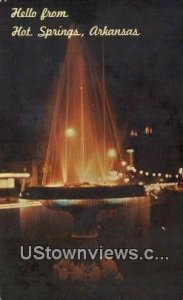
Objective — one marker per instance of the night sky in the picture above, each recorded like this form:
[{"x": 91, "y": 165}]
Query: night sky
[{"x": 143, "y": 74}]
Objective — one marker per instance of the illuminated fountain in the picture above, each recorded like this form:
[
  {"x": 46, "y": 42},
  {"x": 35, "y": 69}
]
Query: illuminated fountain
[
  {"x": 83, "y": 143},
  {"x": 83, "y": 159}
]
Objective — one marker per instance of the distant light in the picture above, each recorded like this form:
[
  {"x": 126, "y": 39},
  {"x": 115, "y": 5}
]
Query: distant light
[
  {"x": 141, "y": 172},
  {"x": 170, "y": 176},
  {"x": 148, "y": 130},
  {"x": 157, "y": 188},
  {"x": 154, "y": 174},
  {"x": 147, "y": 173},
  {"x": 130, "y": 150},
  {"x": 181, "y": 171},
  {"x": 159, "y": 174},
  {"x": 129, "y": 168},
  {"x": 141, "y": 183},
  {"x": 14, "y": 175},
  {"x": 123, "y": 163},
  {"x": 126, "y": 179},
  {"x": 166, "y": 175},
  {"x": 133, "y": 132},
  {"x": 177, "y": 176},
  {"x": 112, "y": 153},
  {"x": 70, "y": 132}
]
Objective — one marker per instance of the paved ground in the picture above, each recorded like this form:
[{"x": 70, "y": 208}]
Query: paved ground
[{"x": 131, "y": 226}]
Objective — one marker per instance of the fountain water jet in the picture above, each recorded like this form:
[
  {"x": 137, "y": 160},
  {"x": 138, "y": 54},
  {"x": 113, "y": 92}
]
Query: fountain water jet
[{"x": 83, "y": 144}]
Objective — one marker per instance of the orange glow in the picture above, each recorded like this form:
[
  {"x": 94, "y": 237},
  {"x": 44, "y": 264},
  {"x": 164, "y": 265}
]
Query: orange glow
[{"x": 89, "y": 149}]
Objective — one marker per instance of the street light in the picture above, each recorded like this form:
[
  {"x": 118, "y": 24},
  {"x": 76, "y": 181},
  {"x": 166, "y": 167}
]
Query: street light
[
  {"x": 130, "y": 156},
  {"x": 112, "y": 153},
  {"x": 70, "y": 132},
  {"x": 123, "y": 163}
]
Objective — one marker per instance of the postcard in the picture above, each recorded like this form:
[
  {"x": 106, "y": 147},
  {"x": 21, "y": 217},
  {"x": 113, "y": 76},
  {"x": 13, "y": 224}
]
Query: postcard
[{"x": 91, "y": 150}]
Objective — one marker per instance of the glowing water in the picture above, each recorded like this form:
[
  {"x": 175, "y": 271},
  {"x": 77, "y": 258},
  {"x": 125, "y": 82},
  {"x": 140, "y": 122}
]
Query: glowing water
[{"x": 83, "y": 142}]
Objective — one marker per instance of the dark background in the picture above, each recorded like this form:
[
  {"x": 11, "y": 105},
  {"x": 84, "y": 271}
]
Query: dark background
[{"x": 143, "y": 75}]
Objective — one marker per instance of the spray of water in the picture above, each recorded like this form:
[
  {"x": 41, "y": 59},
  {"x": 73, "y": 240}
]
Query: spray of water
[{"x": 83, "y": 143}]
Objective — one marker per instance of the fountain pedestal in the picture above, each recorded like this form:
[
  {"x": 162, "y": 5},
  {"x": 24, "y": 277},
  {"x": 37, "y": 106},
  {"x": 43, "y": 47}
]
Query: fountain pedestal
[{"x": 84, "y": 223}]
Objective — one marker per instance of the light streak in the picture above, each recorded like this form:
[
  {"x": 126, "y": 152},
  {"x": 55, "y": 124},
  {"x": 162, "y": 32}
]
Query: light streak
[{"x": 20, "y": 204}]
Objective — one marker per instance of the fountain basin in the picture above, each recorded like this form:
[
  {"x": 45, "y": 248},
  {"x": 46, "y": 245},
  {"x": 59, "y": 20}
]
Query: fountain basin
[
  {"x": 83, "y": 192},
  {"x": 83, "y": 202}
]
